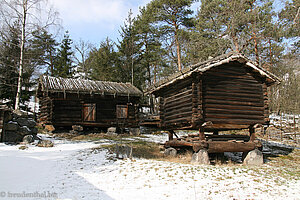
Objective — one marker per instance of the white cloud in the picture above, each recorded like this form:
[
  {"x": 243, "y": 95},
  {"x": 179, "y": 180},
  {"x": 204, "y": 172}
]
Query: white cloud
[{"x": 94, "y": 11}]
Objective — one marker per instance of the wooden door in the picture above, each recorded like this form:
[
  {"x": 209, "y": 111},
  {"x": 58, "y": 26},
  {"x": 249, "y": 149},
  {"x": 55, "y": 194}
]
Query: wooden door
[
  {"x": 89, "y": 112},
  {"x": 122, "y": 111}
]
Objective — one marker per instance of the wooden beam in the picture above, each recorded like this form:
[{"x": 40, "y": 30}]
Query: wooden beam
[
  {"x": 170, "y": 134},
  {"x": 252, "y": 133}
]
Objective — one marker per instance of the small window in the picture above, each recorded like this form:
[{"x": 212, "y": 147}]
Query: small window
[
  {"x": 122, "y": 111},
  {"x": 89, "y": 112}
]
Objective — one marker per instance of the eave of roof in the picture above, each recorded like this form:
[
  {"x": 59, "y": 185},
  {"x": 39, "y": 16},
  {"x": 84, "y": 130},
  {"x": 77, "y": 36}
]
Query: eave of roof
[
  {"x": 208, "y": 64},
  {"x": 69, "y": 85}
]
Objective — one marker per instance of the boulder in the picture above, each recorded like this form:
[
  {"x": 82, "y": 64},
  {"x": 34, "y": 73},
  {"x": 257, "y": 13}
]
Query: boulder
[
  {"x": 31, "y": 123},
  {"x": 23, "y": 147},
  {"x": 201, "y": 157},
  {"x": 73, "y": 132},
  {"x": 49, "y": 128},
  {"x": 134, "y": 131},
  {"x": 12, "y": 136},
  {"x": 34, "y": 131},
  {"x": 24, "y": 130},
  {"x": 11, "y": 126},
  {"x": 170, "y": 152},
  {"x": 22, "y": 121},
  {"x": 254, "y": 157},
  {"x": 112, "y": 131},
  {"x": 45, "y": 143},
  {"x": 77, "y": 128},
  {"x": 27, "y": 139}
]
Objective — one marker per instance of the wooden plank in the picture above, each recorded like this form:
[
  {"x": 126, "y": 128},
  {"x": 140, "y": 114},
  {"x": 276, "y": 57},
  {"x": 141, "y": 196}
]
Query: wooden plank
[
  {"x": 176, "y": 100},
  {"x": 233, "y": 78},
  {"x": 177, "y": 105},
  {"x": 233, "y": 98},
  {"x": 231, "y": 107},
  {"x": 230, "y": 93},
  {"x": 178, "y": 115},
  {"x": 178, "y": 120},
  {"x": 233, "y": 87},
  {"x": 230, "y": 111},
  {"x": 178, "y": 95},
  {"x": 179, "y": 110},
  {"x": 232, "y": 116},
  {"x": 221, "y": 146},
  {"x": 229, "y": 102},
  {"x": 235, "y": 121}
]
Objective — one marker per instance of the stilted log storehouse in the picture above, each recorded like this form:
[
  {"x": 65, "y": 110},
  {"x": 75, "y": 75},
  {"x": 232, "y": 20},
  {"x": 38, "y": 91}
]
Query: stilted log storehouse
[
  {"x": 228, "y": 92},
  {"x": 65, "y": 102}
]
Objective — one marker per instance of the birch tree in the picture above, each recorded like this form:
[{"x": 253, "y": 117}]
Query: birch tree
[{"x": 31, "y": 15}]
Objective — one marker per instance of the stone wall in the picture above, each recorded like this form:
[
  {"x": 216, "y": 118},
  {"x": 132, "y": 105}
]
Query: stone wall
[{"x": 16, "y": 125}]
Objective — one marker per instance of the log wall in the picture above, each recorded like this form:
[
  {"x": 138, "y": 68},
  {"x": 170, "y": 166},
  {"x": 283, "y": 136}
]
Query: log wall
[
  {"x": 46, "y": 112},
  {"x": 68, "y": 111},
  {"x": 233, "y": 95},
  {"x": 176, "y": 105}
]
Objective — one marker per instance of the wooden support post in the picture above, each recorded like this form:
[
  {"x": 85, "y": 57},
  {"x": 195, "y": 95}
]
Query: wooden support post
[
  {"x": 201, "y": 133},
  {"x": 252, "y": 133},
  {"x": 171, "y": 135}
]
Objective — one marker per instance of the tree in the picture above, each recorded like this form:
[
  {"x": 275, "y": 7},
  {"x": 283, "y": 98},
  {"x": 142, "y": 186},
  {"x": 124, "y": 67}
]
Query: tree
[
  {"x": 9, "y": 61},
  {"x": 246, "y": 26},
  {"x": 64, "y": 64},
  {"x": 289, "y": 18},
  {"x": 101, "y": 63},
  {"x": 148, "y": 40},
  {"x": 44, "y": 48},
  {"x": 171, "y": 15},
  {"x": 82, "y": 48},
  {"x": 25, "y": 12},
  {"x": 129, "y": 54},
  {"x": 151, "y": 51}
]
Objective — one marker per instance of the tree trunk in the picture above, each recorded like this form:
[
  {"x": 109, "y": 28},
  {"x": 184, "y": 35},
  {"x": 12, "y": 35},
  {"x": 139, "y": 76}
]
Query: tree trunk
[
  {"x": 177, "y": 47},
  {"x": 18, "y": 96},
  {"x": 256, "y": 48}
]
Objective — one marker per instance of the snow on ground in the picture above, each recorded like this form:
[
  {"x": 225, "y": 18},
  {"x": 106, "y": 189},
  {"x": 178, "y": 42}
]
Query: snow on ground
[{"x": 79, "y": 170}]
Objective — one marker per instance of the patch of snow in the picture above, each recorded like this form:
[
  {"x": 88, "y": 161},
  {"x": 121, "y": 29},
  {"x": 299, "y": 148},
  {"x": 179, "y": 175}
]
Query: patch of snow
[{"x": 81, "y": 170}]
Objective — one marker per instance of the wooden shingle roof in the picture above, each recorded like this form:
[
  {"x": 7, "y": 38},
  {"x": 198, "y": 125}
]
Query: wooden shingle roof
[
  {"x": 210, "y": 63},
  {"x": 69, "y": 85}
]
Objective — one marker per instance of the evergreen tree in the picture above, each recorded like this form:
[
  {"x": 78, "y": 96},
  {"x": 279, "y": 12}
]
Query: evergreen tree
[
  {"x": 101, "y": 63},
  {"x": 152, "y": 58},
  {"x": 290, "y": 21},
  {"x": 129, "y": 54},
  {"x": 44, "y": 49},
  {"x": 64, "y": 64},
  {"x": 170, "y": 16},
  {"x": 9, "y": 61},
  {"x": 246, "y": 26}
]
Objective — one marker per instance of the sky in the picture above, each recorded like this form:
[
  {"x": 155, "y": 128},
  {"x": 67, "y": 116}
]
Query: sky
[{"x": 94, "y": 20}]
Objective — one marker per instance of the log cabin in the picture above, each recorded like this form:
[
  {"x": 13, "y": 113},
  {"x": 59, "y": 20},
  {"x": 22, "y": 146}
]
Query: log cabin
[
  {"x": 228, "y": 92},
  {"x": 65, "y": 102}
]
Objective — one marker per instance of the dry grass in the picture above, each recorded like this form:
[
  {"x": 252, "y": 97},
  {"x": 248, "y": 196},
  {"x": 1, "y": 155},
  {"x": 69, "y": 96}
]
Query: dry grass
[{"x": 289, "y": 163}]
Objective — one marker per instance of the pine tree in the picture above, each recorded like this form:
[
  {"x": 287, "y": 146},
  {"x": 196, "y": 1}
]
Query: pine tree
[
  {"x": 44, "y": 50},
  {"x": 170, "y": 16},
  {"x": 246, "y": 26},
  {"x": 129, "y": 49},
  {"x": 289, "y": 18},
  {"x": 64, "y": 64},
  {"x": 101, "y": 63},
  {"x": 9, "y": 61}
]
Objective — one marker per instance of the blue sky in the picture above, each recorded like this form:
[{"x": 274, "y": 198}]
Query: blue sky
[{"x": 94, "y": 20}]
